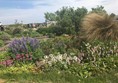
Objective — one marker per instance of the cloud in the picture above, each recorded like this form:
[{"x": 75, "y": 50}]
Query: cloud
[
  {"x": 37, "y": 8},
  {"x": 27, "y": 16},
  {"x": 109, "y": 5}
]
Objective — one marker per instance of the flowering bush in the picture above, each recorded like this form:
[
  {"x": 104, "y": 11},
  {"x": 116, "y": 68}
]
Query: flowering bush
[
  {"x": 62, "y": 58},
  {"x": 18, "y": 57},
  {"x": 71, "y": 64},
  {"x": 58, "y": 59},
  {"x": 99, "y": 49},
  {"x": 7, "y": 62},
  {"x": 23, "y": 57},
  {"x": 23, "y": 45},
  {"x": 23, "y": 49}
]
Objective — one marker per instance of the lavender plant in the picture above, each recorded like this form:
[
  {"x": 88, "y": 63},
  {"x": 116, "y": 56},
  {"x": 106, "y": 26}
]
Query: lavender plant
[{"x": 24, "y": 45}]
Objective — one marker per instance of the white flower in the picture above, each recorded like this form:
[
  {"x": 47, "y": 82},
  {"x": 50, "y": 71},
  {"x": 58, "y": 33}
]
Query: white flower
[
  {"x": 59, "y": 57},
  {"x": 65, "y": 56},
  {"x": 53, "y": 59},
  {"x": 46, "y": 57},
  {"x": 51, "y": 55},
  {"x": 72, "y": 53},
  {"x": 49, "y": 63},
  {"x": 68, "y": 60},
  {"x": 75, "y": 58}
]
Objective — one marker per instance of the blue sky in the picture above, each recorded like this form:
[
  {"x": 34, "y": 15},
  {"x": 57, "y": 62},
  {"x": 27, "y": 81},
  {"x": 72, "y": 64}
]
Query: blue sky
[
  {"x": 30, "y": 11},
  {"x": 16, "y": 4}
]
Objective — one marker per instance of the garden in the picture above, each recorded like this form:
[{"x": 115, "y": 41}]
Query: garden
[{"x": 81, "y": 48}]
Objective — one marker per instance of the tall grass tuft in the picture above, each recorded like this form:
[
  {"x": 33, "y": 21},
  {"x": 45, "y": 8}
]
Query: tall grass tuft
[{"x": 99, "y": 27}]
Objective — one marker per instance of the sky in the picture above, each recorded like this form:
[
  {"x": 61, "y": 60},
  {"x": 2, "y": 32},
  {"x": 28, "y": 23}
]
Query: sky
[{"x": 32, "y": 11}]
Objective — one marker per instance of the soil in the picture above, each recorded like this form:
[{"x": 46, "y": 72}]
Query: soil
[{"x": 2, "y": 81}]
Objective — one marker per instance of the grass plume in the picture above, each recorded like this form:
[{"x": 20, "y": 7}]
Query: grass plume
[{"x": 99, "y": 27}]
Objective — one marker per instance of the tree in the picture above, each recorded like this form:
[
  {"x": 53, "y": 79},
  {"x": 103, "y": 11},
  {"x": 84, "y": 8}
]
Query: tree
[
  {"x": 68, "y": 18},
  {"x": 112, "y": 15},
  {"x": 78, "y": 16},
  {"x": 99, "y": 10},
  {"x": 50, "y": 16}
]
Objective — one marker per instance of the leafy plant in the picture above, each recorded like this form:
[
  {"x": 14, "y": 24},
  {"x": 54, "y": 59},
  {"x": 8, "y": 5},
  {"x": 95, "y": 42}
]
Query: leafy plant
[
  {"x": 17, "y": 31},
  {"x": 99, "y": 49},
  {"x": 58, "y": 44},
  {"x": 4, "y": 36},
  {"x": 1, "y": 43}
]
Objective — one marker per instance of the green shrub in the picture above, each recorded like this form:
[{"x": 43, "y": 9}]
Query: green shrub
[
  {"x": 9, "y": 30},
  {"x": 26, "y": 33},
  {"x": 34, "y": 34},
  {"x": 59, "y": 44},
  {"x": 51, "y": 35},
  {"x": 1, "y": 43},
  {"x": 5, "y": 36},
  {"x": 31, "y": 33},
  {"x": 57, "y": 30},
  {"x": 17, "y": 31},
  {"x": 44, "y": 31}
]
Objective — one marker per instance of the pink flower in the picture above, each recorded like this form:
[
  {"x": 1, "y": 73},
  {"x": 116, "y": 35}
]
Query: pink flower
[
  {"x": 22, "y": 55},
  {"x": 30, "y": 58},
  {"x": 18, "y": 56},
  {"x": 27, "y": 55},
  {"x": 7, "y": 62}
]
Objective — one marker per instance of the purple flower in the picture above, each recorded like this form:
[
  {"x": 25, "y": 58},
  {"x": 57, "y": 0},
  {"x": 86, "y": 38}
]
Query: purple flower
[{"x": 24, "y": 45}]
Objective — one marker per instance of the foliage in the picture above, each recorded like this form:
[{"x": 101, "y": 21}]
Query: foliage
[
  {"x": 74, "y": 73},
  {"x": 68, "y": 17},
  {"x": 99, "y": 27},
  {"x": 95, "y": 50},
  {"x": 1, "y": 43},
  {"x": 50, "y": 16},
  {"x": 31, "y": 33},
  {"x": 56, "y": 30},
  {"x": 4, "y": 36},
  {"x": 45, "y": 31},
  {"x": 51, "y": 35},
  {"x": 19, "y": 68},
  {"x": 9, "y": 30},
  {"x": 58, "y": 44},
  {"x": 98, "y": 10},
  {"x": 70, "y": 65},
  {"x": 94, "y": 59},
  {"x": 17, "y": 31}
]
